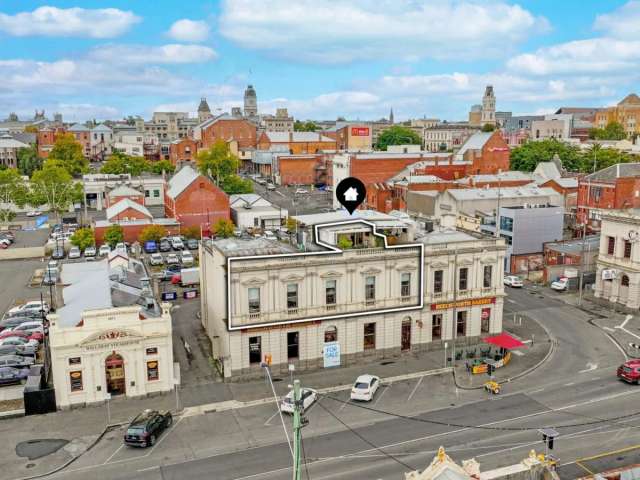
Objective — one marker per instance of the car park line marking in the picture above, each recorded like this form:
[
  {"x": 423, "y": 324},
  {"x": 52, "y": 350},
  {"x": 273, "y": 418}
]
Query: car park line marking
[
  {"x": 166, "y": 434},
  {"x": 414, "y": 389},
  {"x": 381, "y": 394},
  {"x": 569, "y": 384},
  {"x": 538, "y": 390},
  {"x": 511, "y": 301},
  {"x": 342, "y": 407},
  {"x": 608, "y": 329},
  {"x": 590, "y": 368},
  {"x": 113, "y": 454},
  {"x": 271, "y": 418}
]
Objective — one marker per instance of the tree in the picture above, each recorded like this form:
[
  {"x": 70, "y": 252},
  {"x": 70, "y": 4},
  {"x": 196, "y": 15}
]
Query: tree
[
  {"x": 191, "y": 232},
  {"x": 54, "y": 186},
  {"x": 83, "y": 238},
  {"x": 603, "y": 158},
  {"x": 152, "y": 233},
  {"x": 69, "y": 153},
  {"x": 234, "y": 185},
  {"x": 224, "y": 228},
  {"x": 613, "y": 131},
  {"x": 308, "y": 126},
  {"x": 162, "y": 166},
  {"x": 487, "y": 127},
  {"x": 292, "y": 224},
  {"x": 344, "y": 243},
  {"x": 119, "y": 163},
  {"x": 114, "y": 235},
  {"x": 526, "y": 157},
  {"x": 398, "y": 135},
  {"x": 13, "y": 191},
  {"x": 28, "y": 160},
  {"x": 218, "y": 163}
]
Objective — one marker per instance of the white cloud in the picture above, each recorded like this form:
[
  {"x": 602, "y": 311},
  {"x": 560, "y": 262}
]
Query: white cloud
[
  {"x": 186, "y": 30},
  {"x": 68, "y": 22},
  {"x": 596, "y": 55},
  {"x": 622, "y": 22},
  {"x": 144, "y": 54},
  {"x": 337, "y": 32}
]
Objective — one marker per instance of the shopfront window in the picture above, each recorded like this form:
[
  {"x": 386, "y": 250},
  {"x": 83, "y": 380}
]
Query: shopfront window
[
  {"x": 369, "y": 336},
  {"x": 405, "y": 284},
  {"x": 436, "y": 326},
  {"x": 485, "y": 320},
  {"x": 254, "y": 300},
  {"x": 255, "y": 349},
  {"x": 487, "y": 274},
  {"x": 76, "y": 381},
  {"x": 331, "y": 335},
  {"x": 463, "y": 279},
  {"x": 461, "y": 324},
  {"x": 293, "y": 349},
  {"x": 152, "y": 371},
  {"x": 437, "y": 281}
]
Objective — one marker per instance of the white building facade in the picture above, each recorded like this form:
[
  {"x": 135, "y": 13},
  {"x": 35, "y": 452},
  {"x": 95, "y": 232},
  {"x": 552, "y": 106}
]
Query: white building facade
[
  {"x": 349, "y": 306},
  {"x": 97, "y": 186},
  {"x": 618, "y": 263},
  {"x": 111, "y": 351}
]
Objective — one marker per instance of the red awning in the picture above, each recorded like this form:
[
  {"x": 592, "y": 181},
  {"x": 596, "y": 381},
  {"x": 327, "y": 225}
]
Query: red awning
[{"x": 504, "y": 340}]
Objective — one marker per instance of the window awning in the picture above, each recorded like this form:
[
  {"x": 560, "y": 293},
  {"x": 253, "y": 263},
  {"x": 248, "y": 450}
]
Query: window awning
[{"x": 504, "y": 340}]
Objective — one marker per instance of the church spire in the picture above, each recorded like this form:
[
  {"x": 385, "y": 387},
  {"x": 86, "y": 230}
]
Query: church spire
[{"x": 391, "y": 116}]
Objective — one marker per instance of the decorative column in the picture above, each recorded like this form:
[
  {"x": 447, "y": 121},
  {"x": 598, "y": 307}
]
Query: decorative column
[{"x": 633, "y": 296}]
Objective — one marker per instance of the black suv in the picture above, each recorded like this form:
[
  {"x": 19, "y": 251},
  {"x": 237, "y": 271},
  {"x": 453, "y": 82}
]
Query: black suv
[
  {"x": 164, "y": 245},
  {"x": 143, "y": 431}
]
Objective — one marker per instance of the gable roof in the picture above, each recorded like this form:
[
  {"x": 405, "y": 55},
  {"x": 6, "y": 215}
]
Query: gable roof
[
  {"x": 631, "y": 99},
  {"x": 101, "y": 128},
  {"x": 242, "y": 199},
  {"x": 475, "y": 142},
  {"x": 115, "y": 210},
  {"x": 78, "y": 128},
  {"x": 212, "y": 120},
  {"x": 619, "y": 170},
  {"x": 181, "y": 180},
  {"x": 124, "y": 191},
  {"x": 547, "y": 170},
  {"x": 6, "y": 141}
]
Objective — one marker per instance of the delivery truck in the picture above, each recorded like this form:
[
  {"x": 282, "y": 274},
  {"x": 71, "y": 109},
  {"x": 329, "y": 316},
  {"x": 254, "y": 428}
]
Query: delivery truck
[{"x": 190, "y": 276}]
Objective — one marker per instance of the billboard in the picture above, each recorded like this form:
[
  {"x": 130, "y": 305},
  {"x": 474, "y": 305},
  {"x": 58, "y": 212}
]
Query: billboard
[
  {"x": 331, "y": 354},
  {"x": 360, "y": 131}
]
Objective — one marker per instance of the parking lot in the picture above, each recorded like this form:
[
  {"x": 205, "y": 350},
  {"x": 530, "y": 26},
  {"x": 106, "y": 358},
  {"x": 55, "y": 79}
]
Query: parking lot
[{"x": 314, "y": 201}]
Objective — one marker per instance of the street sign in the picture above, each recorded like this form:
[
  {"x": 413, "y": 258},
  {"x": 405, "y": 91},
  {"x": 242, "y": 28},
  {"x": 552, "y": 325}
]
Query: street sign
[
  {"x": 169, "y": 296},
  {"x": 190, "y": 294}
]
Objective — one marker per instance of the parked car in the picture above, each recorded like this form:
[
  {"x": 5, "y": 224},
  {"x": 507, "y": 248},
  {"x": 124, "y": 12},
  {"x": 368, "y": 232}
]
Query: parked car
[
  {"x": 150, "y": 247},
  {"x": 33, "y": 305},
  {"x": 269, "y": 235},
  {"x": 6, "y": 333},
  {"x": 307, "y": 395},
  {"x": 186, "y": 258},
  {"x": 192, "y": 244},
  {"x": 365, "y": 387},
  {"x": 165, "y": 245},
  {"x": 11, "y": 375},
  {"x": 121, "y": 246},
  {"x": 28, "y": 314},
  {"x": 90, "y": 253},
  {"x": 271, "y": 186},
  {"x": 104, "y": 250},
  {"x": 513, "y": 281},
  {"x": 172, "y": 259},
  {"x": 144, "y": 430},
  {"x": 156, "y": 259},
  {"x": 15, "y": 350},
  {"x": 560, "y": 285},
  {"x": 19, "y": 341},
  {"x": 630, "y": 371},
  {"x": 28, "y": 327},
  {"x": 261, "y": 181},
  {"x": 176, "y": 243},
  {"x": 50, "y": 277},
  {"x": 58, "y": 253},
  {"x": 33, "y": 213},
  {"x": 16, "y": 361},
  {"x": 75, "y": 252},
  {"x": 301, "y": 191}
]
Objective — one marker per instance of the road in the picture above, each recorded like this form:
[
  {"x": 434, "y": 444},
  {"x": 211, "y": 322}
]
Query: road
[{"x": 575, "y": 391}]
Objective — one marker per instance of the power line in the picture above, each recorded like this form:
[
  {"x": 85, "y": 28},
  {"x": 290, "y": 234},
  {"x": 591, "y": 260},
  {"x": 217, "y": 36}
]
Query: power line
[
  {"x": 364, "y": 439},
  {"x": 486, "y": 427}
]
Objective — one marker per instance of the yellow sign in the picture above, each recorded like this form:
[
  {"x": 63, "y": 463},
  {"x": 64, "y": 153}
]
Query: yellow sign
[{"x": 463, "y": 303}]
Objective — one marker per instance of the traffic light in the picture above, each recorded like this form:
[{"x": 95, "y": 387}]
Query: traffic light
[
  {"x": 550, "y": 443},
  {"x": 489, "y": 369}
]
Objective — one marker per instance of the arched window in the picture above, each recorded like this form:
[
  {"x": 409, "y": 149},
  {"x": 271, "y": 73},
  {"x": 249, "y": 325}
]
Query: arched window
[
  {"x": 331, "y": 334},
  {"x": 624, "y": 281}
]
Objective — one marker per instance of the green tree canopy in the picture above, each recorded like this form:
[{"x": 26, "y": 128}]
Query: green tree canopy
[
  {"x": 487, "y": 127},
  {"x": 54, "y": 186},
  {"x": 308, "y": 126},
  {"x": 119, "y": 163},
  {"x": 28, "y": 160},
  {"x": 191, "y": 232},
  {"x": 162, "y": 166},
  {"x": 233, "y": 184},
  {"x": 224, "y": 228},
  {"x": 83, "y": 238},
  {"x": 398, "y": 135},
  {"x": 152, "y": 233},
  {"x": 13, "y": 190},
  {"x": 221, "y": 165},
  {"x": 613, "y": 131},
  {"x": 527, "y": 156},
  {"x": 113, "y": 235},
  {"x": 69, "y": 153}
]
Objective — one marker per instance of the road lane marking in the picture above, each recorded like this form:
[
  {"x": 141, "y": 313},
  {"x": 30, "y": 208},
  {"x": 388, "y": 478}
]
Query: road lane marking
[
  {"x": 538, "y": 390},
  {"x": 609, "y": 329},
  {"x": 381, "y": 394},
  {"x": 511, "y": 301},
  {"x": 113, "y": 454},
  {"x": 414, "y": 389},
  {"x": 344, "y": 404},
  {"x": 569, "y": 384},
  {"x": 173, "y": 427},
  {"x": 271, "y": 418},
  {"x": 590, "y": 367}
]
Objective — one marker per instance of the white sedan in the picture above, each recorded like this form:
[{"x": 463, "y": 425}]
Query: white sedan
[
  {"x": 365, "y": 387},
  {"x": 33, "y": 213},
  {"x": 307, "y": 395},
  {"x": 172, "y": 259},
  {"x": 301, "y": 191},
  {"x": 513, "y": 281}
]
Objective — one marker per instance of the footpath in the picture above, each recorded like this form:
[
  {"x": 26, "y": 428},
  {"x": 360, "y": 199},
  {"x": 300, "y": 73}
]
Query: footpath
[{"x": 38, "y": 444}]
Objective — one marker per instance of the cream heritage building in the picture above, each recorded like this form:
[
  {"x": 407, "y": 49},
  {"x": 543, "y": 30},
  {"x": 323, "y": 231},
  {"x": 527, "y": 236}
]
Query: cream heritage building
[{"x": 386, "y": 290}]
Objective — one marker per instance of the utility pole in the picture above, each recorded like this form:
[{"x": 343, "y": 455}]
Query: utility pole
[{"x": 297, "y": 431}]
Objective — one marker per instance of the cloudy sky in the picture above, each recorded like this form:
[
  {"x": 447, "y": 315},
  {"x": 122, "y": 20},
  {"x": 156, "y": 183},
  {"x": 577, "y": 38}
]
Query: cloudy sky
[{"x": 320, "y": 58}]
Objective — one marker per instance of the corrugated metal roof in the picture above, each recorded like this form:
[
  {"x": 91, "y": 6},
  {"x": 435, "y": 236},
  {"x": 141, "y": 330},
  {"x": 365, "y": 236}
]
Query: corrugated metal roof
[
  {"x": 466, "y": 194},
  {"x": 78, "y": 128},
  {"x": 475, "y": 142},
  {"x": 9, "y": 142},
  {"x": 88, "y": 289},
  {"x": 620, "y": 170},
  {"x": 181, "y": 180},
  {"x": 101, "y": 128},
  {"x": 124, "y": 191},
  {"x": 285, "y": 137},
  {"x": 115, "y": 210}
]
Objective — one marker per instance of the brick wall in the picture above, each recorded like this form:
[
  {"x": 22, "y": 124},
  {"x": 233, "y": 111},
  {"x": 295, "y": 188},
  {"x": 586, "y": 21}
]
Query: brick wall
[
  {"x": 200, "y": 203},
  {"x": 493, "y": 157},
  {"x": 298, "y": 170},
  {"x": 185, "y": 150},
  {"x": 132, "y": 232},
  {"x": 129, "y": 214},
  {"x": 113, "y": 200},
  {"x": 242, "y": 131},
  {"x": 296, "y": 148}
]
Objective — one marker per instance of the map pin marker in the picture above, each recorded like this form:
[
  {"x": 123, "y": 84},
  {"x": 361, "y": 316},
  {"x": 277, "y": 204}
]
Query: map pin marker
[{"x": 351, "y": 192}]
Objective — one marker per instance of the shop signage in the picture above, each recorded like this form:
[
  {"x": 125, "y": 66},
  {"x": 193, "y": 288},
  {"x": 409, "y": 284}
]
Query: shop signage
[
  {"x": 463, "y": 303},
  {"x": 152, "y": 371},
  {"x": 279, "y": 327},
  {"x": 190, "y": 294},
  {"x": 331, "y": 354},
  {"x": 169, "y": 296},
  {"x": 608, "y": 274},
  {"x": 360, "y": 131},
  {"x": 110, "y": 345},
  {"x": 76, "y": 381}
]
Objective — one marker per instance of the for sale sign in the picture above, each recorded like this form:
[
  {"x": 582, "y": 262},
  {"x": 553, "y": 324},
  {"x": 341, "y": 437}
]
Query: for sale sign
[{"x": 360, "y": 131}]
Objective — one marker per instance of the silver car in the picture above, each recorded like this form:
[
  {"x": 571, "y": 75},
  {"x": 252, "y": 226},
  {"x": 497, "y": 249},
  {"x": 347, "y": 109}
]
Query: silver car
[
  {"x": 74, "y": 252},
  {"x": 16, "y": 361}
]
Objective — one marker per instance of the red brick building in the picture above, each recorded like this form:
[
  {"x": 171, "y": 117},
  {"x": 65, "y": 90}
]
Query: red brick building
[
  {"x": 193, "y": 200},
  {"x": 351, "y": 136},
  {"x": 46, "y": 138},
  {"x": 226, "y": 128},
  {"x": 301, "y": 169},
  {"x": 121, "y": 192},
  {"x": 568, "y": 188},
  {"x": 614, "y": 187},
  {"x": 183, "y": 150},
  {"x": 485, "y": 153},
  {"x": 82, "y": 135},
  {"x": 297, "y": 143}
]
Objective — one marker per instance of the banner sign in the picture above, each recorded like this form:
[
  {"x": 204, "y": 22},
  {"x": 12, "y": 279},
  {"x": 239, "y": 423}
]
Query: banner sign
[
  {"x": 360, "y": 131},
  {"x": 331, "y": 354},
  {"x": 169, "y": 296},
  {"x": 463, "y": 303},
  {"x": 190, "y": 294}
]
